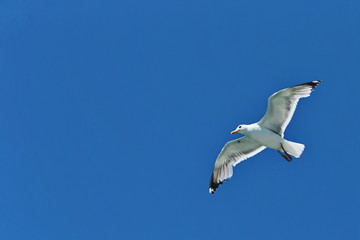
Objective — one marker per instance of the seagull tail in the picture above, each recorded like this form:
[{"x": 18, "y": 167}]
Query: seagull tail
[{"x": 293, "y": 148}]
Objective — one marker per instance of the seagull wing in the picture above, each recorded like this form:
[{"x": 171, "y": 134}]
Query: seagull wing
[
  {"x": 232, "y": 153},
  {"x": 282, "y": 105}
]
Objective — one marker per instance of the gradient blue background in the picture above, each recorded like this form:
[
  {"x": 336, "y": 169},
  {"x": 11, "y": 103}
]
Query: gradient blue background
[{"x": 112, "y": 114}]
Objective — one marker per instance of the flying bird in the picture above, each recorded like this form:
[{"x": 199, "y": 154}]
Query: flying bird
[{"x": 268, "y": 132}]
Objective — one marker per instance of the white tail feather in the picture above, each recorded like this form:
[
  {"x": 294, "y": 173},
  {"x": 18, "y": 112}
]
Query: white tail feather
[{"x": 293, "y": 148}]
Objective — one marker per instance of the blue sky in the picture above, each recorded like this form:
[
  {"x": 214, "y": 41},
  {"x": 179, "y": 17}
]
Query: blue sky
[{"x": 113, "y": 113}]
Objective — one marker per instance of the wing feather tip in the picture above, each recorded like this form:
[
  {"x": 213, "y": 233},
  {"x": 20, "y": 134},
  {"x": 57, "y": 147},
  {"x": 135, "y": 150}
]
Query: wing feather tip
[
  {"x": 312, "y": 84},
  {"x": 315, "y": 83},
  {"x": 214, "y": 186}
]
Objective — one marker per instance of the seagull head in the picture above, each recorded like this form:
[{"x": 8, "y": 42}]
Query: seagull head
[{"x": 239, "y": 129}]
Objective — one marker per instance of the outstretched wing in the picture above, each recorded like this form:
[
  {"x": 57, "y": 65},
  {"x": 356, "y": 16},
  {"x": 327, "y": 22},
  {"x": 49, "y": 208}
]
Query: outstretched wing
[
  {"x": 282, "y": 105},
  {"x": 232, "y": 153}
]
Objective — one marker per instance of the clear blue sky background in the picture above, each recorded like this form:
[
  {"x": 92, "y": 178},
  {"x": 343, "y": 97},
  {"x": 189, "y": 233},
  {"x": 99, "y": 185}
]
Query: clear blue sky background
[{"x": 112, "y": 114}]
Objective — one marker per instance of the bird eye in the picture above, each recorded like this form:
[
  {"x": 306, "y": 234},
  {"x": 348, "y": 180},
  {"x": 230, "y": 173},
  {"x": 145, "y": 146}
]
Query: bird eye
[{"x": 239, "y": 126}]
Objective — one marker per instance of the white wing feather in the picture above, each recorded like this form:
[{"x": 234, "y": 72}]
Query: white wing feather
[
  {"x": 232, "y": 153},
  {"x": 282, "y": 105}
]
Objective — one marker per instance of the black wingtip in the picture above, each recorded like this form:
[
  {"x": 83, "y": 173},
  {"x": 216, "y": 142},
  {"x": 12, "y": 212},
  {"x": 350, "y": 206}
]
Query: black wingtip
[
  {"x": 313, "y": 84},
  {"x": 213, "y": 185}
]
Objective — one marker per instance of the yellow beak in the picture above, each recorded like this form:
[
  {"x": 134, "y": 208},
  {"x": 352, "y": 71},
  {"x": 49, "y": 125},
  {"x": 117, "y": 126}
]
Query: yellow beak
[{"x": 235, "y": 131}]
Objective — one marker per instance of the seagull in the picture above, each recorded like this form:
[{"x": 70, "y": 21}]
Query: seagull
[{"x": 268, "y": 132}]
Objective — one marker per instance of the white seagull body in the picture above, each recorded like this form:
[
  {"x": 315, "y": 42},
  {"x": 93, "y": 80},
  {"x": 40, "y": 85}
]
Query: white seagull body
[{"x": 268, "y": 132}]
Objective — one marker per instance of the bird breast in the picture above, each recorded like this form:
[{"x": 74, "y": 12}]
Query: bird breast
[{"x": 265, "y": 137}]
